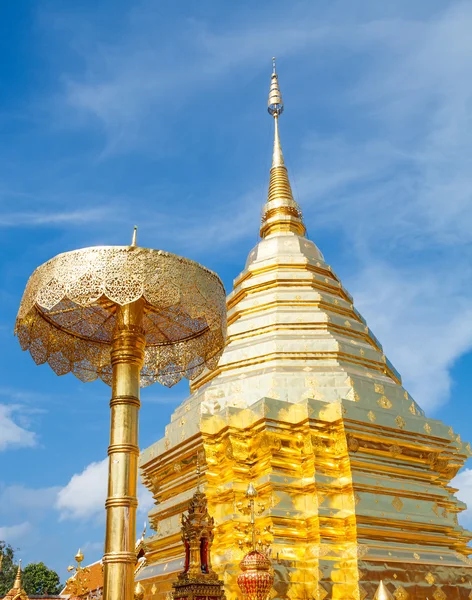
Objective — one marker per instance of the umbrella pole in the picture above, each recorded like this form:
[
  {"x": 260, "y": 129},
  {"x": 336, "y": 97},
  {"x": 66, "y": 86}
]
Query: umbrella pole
[{"x": 127, "y": 356}]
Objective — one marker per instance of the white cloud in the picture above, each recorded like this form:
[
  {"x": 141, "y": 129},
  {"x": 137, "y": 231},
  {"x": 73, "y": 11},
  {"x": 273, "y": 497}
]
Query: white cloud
[
  {"x": 19, "y": 498},
  {"x": 13, "y": 435},
  {"x": 463, "y": 481},
  {"x": 38, "y": 219},
  {"x": 85, "y": 494},
  {"x": 14, "y": 533}
]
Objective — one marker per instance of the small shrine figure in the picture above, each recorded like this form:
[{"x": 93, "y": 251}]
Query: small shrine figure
[
  {"x": 256, "y": 579},
  {"x": 17, "y": 592},
  {"x": 198, "y": 578}
]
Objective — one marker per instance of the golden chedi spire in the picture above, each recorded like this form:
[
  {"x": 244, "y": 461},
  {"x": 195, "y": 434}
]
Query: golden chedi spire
[
  {"x": 17, "y": 592},
  {"x": 280, "y": 212}
]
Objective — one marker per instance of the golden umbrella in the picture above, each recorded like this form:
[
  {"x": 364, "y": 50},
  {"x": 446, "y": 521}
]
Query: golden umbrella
[{"x": 130, "y": 316}]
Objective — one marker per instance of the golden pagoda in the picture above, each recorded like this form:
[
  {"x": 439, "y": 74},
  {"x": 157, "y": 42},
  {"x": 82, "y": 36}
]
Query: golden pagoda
[
  {"x": 17, "y": 592},
  {"x": 305, "y": 404}
]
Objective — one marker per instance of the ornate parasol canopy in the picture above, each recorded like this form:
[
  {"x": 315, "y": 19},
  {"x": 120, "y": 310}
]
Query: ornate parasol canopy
[{"x": 67, "y": 314}]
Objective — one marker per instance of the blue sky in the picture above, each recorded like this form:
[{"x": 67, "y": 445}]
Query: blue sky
[{"x": 121, "y": 112}]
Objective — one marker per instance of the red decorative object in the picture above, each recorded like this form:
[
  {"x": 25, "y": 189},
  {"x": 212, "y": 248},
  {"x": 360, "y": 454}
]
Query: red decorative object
[
  {"x": 198, "y": 581},
  {"x": 256, "y": 580}
]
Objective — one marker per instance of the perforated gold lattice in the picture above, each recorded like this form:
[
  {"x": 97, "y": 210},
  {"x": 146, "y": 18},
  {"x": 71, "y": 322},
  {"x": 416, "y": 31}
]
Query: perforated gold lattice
[{"x": 67, "y": 314}]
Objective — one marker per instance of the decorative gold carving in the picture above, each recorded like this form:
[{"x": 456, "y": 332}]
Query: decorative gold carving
[
  {"x": 412, "y": 408},
  {"x": 397, "y": 504},
  {"x": 229, "y": 450},
  {"x": 67, "y": 316},
  {"x": 361, "y": 550},
  {"x": 371, "y": 416},
  {"x": 320, "y": 593},
  {"x": 324, "y": 550},
  {"x": 400, "y": 593},
  {"x": 395, "y": 450},
  {"x": 384, "y": 402},
  {"x": 77, "y": 584},
  {"x": 352, "y": 443},
  {"x": 416, "y": 556},
  {"x": 400, "y": 421},
  {"x": 427, "y": 428},
  {"x": 340, "y": 446},
  {"x": 271, "y": 441},
  {"x": 317, "y": 444},
  {"x": 379, "y": 388},
  {"x": 439, "y": 594},
  {"x": 429, "y": 577}
]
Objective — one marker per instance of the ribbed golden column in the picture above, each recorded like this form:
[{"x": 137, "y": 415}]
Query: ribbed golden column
[{"x": 127, "y": 357}]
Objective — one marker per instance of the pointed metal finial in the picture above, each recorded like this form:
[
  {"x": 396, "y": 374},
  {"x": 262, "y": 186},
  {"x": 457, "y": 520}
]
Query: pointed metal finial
[
  {"x": 280, "y": 213},
  {"x": 275, "y": 105},
  {"x": 382, "y": 592},
  {"x": 135, "y": 233},
  {"x": 17, "y": 584},
  {"x": 79, "y": 557}
]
